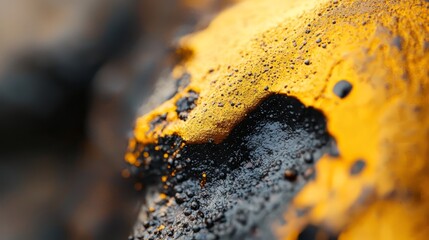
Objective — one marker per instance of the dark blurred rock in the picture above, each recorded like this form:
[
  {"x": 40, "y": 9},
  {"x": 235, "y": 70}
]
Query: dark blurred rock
[
  {"x": 50, "y": 53},
  {"x": 44, "y": 89}
]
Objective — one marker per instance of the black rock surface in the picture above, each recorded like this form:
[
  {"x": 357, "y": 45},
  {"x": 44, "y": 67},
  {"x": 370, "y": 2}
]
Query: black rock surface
[{"x": 236, "y": 189}]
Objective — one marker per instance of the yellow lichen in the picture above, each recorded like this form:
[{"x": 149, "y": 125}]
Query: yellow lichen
[{"x": 302, "y": 49}]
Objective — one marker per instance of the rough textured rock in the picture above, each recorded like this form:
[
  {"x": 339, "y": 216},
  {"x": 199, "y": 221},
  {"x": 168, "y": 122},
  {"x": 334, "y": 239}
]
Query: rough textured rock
[
  {"x": 238, "y": 188},
  {"x": 362, "y": 63}
]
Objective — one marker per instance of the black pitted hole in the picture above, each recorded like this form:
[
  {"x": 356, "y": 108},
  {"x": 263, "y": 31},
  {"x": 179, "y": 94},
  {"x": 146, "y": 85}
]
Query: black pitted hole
[
  {"x": 158, "y": 120},
  {"x": 236, "y": 189},
  {"x": 357, "y": 167},
  {"x": 342, "y": 88},
  {"x": 313, "y": 232},
  {"x": 186, "y": 104}
]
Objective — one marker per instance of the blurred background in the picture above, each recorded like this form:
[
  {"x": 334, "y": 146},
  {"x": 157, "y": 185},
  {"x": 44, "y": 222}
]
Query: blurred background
[{"x": 73, "y": 74}]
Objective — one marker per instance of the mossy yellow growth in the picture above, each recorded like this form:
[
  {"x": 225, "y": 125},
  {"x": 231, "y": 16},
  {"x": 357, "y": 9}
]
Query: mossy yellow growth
[{"x": 302, "y": 49}]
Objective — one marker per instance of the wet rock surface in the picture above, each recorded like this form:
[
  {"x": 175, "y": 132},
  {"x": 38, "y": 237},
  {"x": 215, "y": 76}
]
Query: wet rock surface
[{"x": 236, "y": 189}]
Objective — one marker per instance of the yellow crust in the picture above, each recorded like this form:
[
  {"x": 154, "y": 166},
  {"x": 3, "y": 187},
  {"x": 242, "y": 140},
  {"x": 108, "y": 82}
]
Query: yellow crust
[{"x": 259, "y": 47}]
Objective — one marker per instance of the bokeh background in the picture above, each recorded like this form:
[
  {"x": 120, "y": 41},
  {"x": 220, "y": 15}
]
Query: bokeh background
[{"x": 73, "y": 75}]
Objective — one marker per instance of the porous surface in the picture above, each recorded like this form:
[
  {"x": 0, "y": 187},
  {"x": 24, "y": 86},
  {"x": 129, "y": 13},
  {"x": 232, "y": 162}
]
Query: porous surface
[
  {"x": 236, "y": 189},
  {"x": 363, "y": 63}
]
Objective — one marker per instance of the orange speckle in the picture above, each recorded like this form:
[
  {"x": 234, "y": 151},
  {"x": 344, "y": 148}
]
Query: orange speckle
[
  {"x": 203, "y": 180},
  {"x": 164, "y": 178},
  {"x": 130, "y": 158},
  {"x": 138, "y": 186},
  {"x": 161, "y": 227},
  {"x": 162, "y": 196},
  {"x": 132, "y": 144},
  {"x": 125, "y": 173}
]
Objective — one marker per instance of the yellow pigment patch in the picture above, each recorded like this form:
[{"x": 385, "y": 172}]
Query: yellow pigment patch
[{"x": 303, "y": 49}]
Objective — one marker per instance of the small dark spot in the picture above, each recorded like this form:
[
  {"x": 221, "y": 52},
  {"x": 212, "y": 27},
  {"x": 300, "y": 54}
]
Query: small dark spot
[
  {"x": 357, "y": 167},
  {"x": 333, "y": 22},
  {"x": 195, "y": 228},
  {"x": 303, "y": 211},
  {"x": 187, "y": 212},
  {"x": 200, "y": 214},
  {"x": 146, "y": 224},
  {"x": 209, "y": 222},
  {"x": 186, "y": 104},
  {"x": 266, "y": 88},
  {"x": 242, "y": 216},
  {"x": 195, "y": 205},
  {"x": 312, "y": 232},
  {"x": 426, "y": 45},
  {"x": 397, "y": 42},
  {"x": 417, "y": 109},
  {"x": 324, "y": 45},
  {"x": 309, "y": 233},
  {"x": 189, "y": 193},
  {"x": 158, "y": 120},
  {"x": 319, "y": 40},
  {"x": 183, "y": 54},
  {"x": 180, "y": 198},
  {"x": 308, "y": 157},
  {"x": 291, "y": 174},
  {"x": 342, "y": 88},
  {"x": 307, "y": 62}
]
